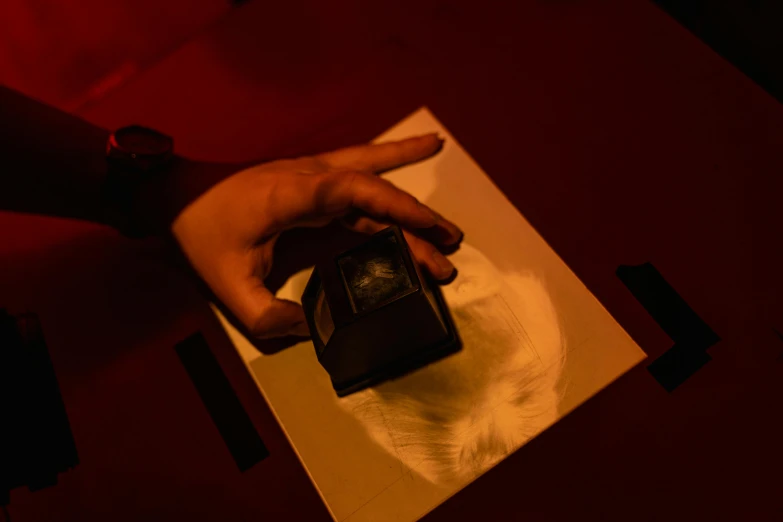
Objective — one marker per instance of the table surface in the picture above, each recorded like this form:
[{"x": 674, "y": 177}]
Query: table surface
[{"x": 620, "y": 137}]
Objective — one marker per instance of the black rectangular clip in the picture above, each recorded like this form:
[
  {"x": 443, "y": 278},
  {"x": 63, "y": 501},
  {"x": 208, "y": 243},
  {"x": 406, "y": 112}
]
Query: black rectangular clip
[{"x": 691, "y": 335}]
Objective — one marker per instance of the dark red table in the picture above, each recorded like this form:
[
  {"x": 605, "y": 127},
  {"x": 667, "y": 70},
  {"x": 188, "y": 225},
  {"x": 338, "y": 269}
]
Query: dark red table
[{"x": 620, "y": 136}]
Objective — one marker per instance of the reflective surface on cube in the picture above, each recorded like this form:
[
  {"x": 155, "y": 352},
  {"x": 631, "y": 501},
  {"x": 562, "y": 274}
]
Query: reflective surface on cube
[
  {"x": 324, "y": 324},
  {"x": 375, "y": 273}
]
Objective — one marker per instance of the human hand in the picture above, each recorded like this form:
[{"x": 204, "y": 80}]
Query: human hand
[{"x": 228, "y": 234}]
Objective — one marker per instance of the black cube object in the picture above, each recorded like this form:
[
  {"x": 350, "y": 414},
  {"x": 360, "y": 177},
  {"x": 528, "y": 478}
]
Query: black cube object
[{"x": 374, "y": 315}]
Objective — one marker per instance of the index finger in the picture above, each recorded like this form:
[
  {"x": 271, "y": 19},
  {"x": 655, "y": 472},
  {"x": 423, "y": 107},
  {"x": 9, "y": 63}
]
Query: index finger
[{"x": 383, "y": 156}]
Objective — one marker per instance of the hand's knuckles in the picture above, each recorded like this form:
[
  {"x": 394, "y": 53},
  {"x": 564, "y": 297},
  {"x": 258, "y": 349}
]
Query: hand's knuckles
[
  {"x": 337, "y": 191},
  {"x": 326, "y": 193},
  {"x": 312, "y": 164},
  {"x": 382, "y": 194},
  {"x": 367, "y": 226}
]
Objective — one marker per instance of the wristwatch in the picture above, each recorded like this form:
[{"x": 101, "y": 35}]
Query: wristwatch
[{"x": 137, "y": 157}]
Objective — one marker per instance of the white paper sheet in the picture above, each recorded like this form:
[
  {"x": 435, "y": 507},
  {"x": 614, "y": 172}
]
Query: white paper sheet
[{"x": 536, "y": 344}]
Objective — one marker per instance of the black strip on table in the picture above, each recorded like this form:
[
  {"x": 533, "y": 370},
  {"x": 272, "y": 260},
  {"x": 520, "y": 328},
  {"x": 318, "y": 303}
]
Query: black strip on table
[
  {"x": 222, "y": 403},
  {"x": 36, "y": 442},
  {"x": 691, "y": 335}
]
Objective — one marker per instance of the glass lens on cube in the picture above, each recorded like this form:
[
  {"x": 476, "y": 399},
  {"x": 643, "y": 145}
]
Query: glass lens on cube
[
  {"x": 324, "y": 323},
  {"x": 375, "y": 273}
]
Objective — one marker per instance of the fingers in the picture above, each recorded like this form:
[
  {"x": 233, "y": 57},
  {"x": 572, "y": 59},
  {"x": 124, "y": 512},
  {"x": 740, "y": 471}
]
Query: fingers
[
  {"x": 303, "y": 199},
  {"x": 444, "y": 233},
  {"x": 386, "y": 203},
  {"x": 428, "y": 255},
  {"x": 425, "y": 252},
  {"x": 383, "y": 156},
  {"x": 311, "y": 199}
]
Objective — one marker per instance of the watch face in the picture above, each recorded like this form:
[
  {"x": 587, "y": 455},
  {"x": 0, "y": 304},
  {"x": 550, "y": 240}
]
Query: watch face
[{"x": 141, "y": 141}]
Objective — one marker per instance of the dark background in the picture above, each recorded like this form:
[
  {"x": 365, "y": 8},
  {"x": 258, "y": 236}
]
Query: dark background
[
  {"x": 745, "y": 32},
  {"x": 619, "y": 135},
  {"x": 72, "y": 54}
]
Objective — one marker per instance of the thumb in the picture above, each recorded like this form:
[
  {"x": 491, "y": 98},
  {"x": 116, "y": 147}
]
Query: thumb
[
  {"x": 264, "y": 315},
  {"x": 278, "y": 318}
]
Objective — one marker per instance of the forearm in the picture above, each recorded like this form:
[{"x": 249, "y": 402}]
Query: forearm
[{"x": 52, "y": 162}]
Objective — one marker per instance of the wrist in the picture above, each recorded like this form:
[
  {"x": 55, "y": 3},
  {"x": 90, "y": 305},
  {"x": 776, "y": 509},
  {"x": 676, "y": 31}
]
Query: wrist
[
  {"x": 162, "y": 198},
  {"x": 147, "y": 185}
]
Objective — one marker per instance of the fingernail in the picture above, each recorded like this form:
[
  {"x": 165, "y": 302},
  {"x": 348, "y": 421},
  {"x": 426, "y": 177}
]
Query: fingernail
[
  {"x": 458, "y": 238},
  {"x": 435, "y": 135},
  {"x": 444, "y": 264}
]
